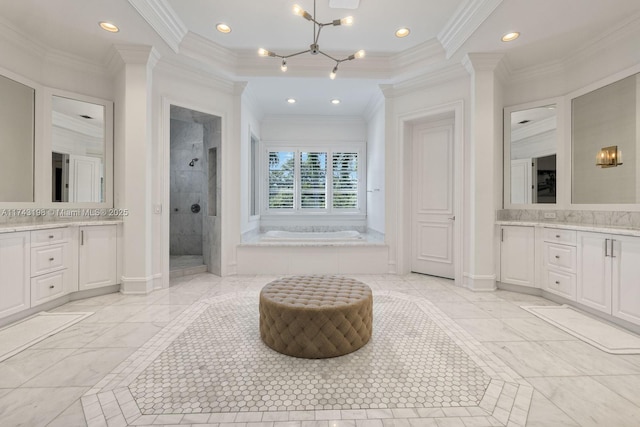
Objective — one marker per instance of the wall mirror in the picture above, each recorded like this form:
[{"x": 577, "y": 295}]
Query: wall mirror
[
  {"x": 605, "y": 126},
  {"x": 79, "y": 150},
  {"x": 17, "y": 138},
  {"x": 531, "y": 146}
]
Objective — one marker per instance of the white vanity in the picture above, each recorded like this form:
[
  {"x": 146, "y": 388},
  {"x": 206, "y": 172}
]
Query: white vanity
[{"x": 46, "y": 265}]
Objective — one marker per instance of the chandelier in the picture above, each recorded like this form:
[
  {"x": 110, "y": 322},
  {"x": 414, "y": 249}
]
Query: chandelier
[{"x": 314, "y": 48}]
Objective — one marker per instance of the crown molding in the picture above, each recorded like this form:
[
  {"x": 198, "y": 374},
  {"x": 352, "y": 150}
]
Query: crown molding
[
  {"x": 478, "y": 62},
  {"x": 432, "y": 78},
  {"x": 533, "y": 129},
  {"x": 17, "y": 37},
  {"x": 464, "y": 22},
  {"x": 195, "y": 74},
  {"x": 249, "y": 99},
  {"x": 121, "y": 55},
  {"x": 163, "y": 19},
  {"x": 313, "y": 119},
  {"x": 77, "y": 63},
  {"x": 217, "y": 58},
  {"x": 77, "y": 125},
  {"x": 375, "y": 103}
]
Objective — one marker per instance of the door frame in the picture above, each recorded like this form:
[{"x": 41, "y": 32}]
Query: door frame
[{"x": 406, "y": 122}]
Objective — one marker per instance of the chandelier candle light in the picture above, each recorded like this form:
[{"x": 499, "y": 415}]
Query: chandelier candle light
[{"x": 314, "y": 48}]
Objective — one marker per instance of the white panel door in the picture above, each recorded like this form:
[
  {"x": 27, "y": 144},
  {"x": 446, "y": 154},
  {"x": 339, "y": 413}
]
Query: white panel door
[
  {"x": 15, "y": 289},
  {"x": 594, "y": 271},
  {"x": 517, "y": 255},
  {"x": 85, "y": 179},
  {"x": 625, "y": 259},
  {"x": 97, "y": 265},
  {"x": 432, "y": 210}
]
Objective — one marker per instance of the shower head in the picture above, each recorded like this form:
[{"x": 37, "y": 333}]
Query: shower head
[{"x": 193, "y": 162}]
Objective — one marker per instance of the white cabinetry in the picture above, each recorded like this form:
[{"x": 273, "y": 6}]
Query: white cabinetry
[
  {"x": 50, "y": 261},
  {"x": 609, "y": 274},
  {"x": 559, "y": 262},
  {"x": 517, "y": 255},
  {"x": 14, "y": 273},
  {"x": 97, "y": 260}
]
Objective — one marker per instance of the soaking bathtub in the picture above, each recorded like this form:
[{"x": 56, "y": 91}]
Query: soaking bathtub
[{"x": 292, "y": 236}]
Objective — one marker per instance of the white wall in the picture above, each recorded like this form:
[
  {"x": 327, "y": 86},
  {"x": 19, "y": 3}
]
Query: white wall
[
  {"x": 249, "y": 124},
  {"x": 376, "y": 166}
]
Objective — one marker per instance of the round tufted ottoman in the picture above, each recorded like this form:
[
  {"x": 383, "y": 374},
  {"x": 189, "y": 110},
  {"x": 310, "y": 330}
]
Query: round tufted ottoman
[{"x": 316, "y": 316}]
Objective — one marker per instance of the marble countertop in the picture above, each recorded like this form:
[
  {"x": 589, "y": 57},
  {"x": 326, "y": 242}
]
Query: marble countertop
[
  {"x": 11, "y": 228},
  {"x": 625, "y": 231}
]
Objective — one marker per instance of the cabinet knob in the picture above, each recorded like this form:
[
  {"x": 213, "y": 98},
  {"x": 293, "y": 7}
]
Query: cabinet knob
[
  {"x": 557, "y": 282},
  {"x": 51, "y": 237},
  {"x": 557, "y": 236},
  {"x": 51, "y": 259},
  {"x": 557, "y": 256},
  {"x": 51, "y": 287}
]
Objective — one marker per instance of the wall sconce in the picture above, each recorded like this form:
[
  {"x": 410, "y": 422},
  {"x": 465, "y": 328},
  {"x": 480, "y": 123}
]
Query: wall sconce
[{"x": 609, "y": 157}]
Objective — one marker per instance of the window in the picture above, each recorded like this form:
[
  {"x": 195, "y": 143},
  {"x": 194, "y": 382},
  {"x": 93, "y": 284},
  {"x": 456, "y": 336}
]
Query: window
[
  {"x": 309, "y": 180},
  {"x": 253, "y": 178}
]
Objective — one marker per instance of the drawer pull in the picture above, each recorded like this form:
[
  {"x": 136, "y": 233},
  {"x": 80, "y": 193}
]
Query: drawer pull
[
  {"x": 51, "y": 237},
  {"x": 557, "y": 282},
  {"x": 557, "y": 236},
  {"x": 557, "y": 256},
  {"x": 51, "y": 287},
  {"x": 51, "y": 259}
]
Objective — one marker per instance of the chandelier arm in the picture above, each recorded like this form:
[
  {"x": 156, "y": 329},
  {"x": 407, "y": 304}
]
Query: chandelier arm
[
  {"x": 317, "y": 35},
  {"x": 296, "y": 54},
  {"x": 330, "y": 57}
]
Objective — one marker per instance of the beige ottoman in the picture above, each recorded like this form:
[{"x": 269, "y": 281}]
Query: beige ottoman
[{"x": 316, "y": 316}]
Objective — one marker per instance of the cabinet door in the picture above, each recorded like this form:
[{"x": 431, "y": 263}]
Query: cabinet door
[
  {"x": 97, "y": 259},
  {"x": 15, "y": 289},
  {"x": 594, "y": 271},
  {"x": 625, "y": 263},
  {"x": 517, "y": 257}
]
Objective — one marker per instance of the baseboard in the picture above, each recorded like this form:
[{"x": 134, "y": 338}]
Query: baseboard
[
  {"x": 136, "y": 285},
  {"x": 479, "y": 283}
]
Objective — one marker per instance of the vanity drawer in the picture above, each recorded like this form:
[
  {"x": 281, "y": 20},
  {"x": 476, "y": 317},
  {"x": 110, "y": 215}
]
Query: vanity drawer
[
  {"x": 555, "y": 235},
  {"x": 45, "y": 259},
  {"x": 47, "y": 287},
  {"x": 560, "y": 256},
  {"x": 563, "y": 284},
  {"x": 50, "y": 236}
]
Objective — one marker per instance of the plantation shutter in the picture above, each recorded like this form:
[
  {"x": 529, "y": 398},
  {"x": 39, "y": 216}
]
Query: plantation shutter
[
  {"x": 313, "y": 180},
  {"x": 281, "y": 179},
  {"x": 345, "y": 180}
]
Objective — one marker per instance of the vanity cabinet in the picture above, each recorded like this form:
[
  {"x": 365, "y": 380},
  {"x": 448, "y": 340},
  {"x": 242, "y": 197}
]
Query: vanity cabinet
[
  {"x": 97, "y": 256},
  {"x": 14, "y": 273},
  {"x": 51, "y": 260},
  {"x": 559, "y": 262},
  {"x": 609, "y": 274},
  {"x": 517, "y": 255}
]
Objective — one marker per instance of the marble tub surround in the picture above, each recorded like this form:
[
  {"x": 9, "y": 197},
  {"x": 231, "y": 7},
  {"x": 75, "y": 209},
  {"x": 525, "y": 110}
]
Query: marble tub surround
[
  {"x": 574, "y": 384},
  {"x": 615, "y": 219},
  {"x": 368, "y": 237}
]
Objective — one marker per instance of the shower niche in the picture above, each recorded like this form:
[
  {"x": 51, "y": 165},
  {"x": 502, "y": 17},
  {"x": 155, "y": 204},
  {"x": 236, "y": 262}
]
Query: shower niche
[{"x": 194, "y": 227}]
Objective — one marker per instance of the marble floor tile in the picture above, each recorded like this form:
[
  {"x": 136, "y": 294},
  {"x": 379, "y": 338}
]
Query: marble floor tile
[
  {"x": 462, "y": 310},
  {"x": 35, "y": 407},
  {"x": 84, "y": 367},
  {"x": 626, "y": 386},
  {"x": 25, "y": 365},
  {"x": 503, "y": 309},
  {"x": 126, "y": 335},
  {"x": 113, "y": 314},
  {"x": 489, "y": 330},
  {"x": 588, "y": 402},
  {"x": 157, "y": 313},
  {"x": 590, "y": 360},
  {"x": 543, "y": 413},
  {"x": 518, "y": 355},
  {"x": 73, "y": 416},
  {"x": 534, "y": 329},
  {"x": 77, "y": 336}
]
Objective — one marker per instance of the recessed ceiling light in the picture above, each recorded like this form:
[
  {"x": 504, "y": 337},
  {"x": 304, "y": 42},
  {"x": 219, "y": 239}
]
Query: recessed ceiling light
[
  {"x": 509, "y": 37},
  {"x": 223, "y": 28},
  {"x": 402, "y": 32},
  {"x": 335, "y": 101},
  {"x": 291, "y": 100},
  {"x": 108, "y": 26}
]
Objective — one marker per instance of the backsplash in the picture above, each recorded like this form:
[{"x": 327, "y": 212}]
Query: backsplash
[{"x": 599, "y": 218}]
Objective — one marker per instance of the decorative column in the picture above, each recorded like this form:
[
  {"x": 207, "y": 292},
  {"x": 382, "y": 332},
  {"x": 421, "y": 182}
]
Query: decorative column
[
  {"x": 485, "y": 170},
  {"x": 132, "y": 67}
]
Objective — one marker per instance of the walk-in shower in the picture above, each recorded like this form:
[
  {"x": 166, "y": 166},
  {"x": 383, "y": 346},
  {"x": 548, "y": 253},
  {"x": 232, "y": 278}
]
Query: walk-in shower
[{"x": 194, "y": 229}]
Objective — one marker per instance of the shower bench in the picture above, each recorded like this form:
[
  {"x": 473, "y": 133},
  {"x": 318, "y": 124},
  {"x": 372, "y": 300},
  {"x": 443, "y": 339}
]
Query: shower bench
[{"x": 316, "y": 317}]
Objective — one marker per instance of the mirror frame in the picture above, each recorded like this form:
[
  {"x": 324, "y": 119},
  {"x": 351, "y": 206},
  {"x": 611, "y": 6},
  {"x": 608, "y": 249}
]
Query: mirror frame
[
  {"x": 568, "y": 163},
  {"x": 561, "y": 173},
  {"x": 46, "y": 149}
]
